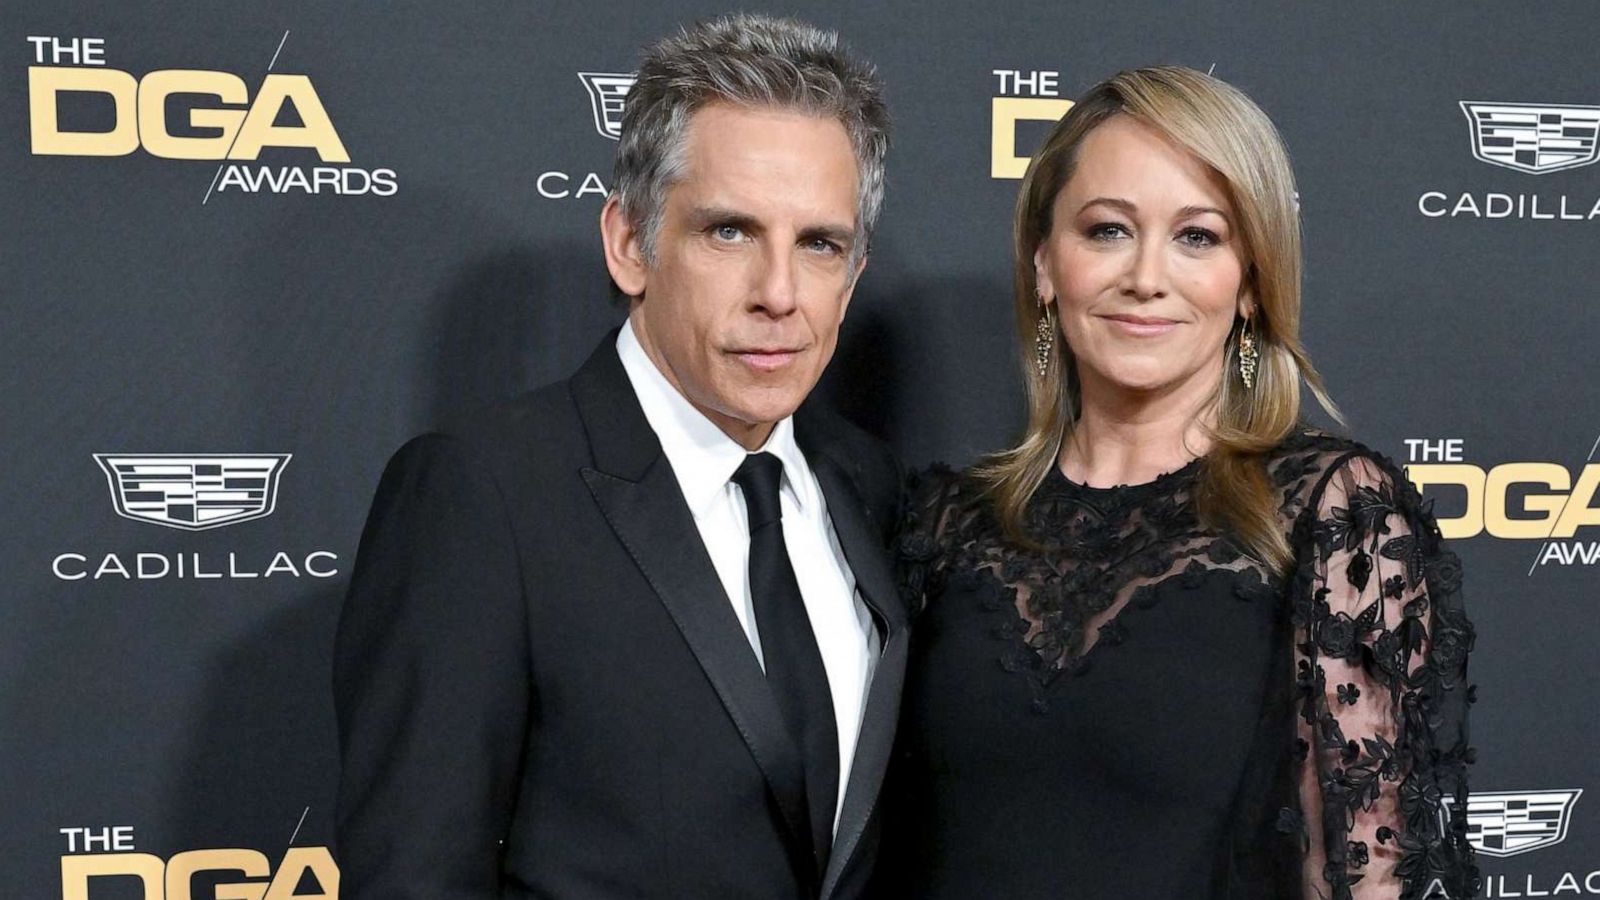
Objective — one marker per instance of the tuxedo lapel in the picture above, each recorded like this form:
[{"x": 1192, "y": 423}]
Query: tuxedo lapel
[
  {"x": 864, "y": 549},
  {"x": 635, "y": 488}
]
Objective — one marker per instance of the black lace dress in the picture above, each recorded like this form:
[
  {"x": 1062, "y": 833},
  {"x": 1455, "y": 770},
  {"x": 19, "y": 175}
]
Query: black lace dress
[{"x": 1142, "y": 711}]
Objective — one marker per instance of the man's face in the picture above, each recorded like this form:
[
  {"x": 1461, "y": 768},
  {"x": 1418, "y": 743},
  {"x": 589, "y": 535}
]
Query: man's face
[{"x": 740, "y": 309}]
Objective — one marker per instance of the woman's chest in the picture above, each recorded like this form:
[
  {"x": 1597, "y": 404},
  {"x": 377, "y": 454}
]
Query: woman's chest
[{"x": 1171, "y": 697}]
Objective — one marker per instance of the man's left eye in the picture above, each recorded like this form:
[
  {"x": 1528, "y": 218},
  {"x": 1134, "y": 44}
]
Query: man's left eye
[{"x": 822, "y": 245}]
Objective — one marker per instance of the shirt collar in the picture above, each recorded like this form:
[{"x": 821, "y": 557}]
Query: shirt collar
[{"x": 703, "y": 458}]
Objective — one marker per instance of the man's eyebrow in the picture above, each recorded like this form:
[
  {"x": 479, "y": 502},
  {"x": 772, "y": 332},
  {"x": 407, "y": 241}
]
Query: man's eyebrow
[
  {"x": 843, "y": 235},
  {"x": 706, "y": 216},
  {"x": 703, "y": 217}
]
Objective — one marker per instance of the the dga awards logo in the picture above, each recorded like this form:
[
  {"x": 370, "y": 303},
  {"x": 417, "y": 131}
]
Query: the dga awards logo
[
  {"x": 1508, "y": 823},
  {"x": 193, "y": 492},
  {"x": 104, "y": 862},
  {"x": 1024, "y": 95},
  {"x": 1530, "y": 501},
  {"x": 193, "y": 114},
  {"x": 1530, "y": 139},
  {"x": 607, "y": 94}
]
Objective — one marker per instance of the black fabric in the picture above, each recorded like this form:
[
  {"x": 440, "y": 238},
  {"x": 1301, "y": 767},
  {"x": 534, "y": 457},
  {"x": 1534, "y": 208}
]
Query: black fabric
[
  {"x": 1134, "y": 707},
  {"x": 543, "y": 690},
  {"x": 789, "y": 648}
]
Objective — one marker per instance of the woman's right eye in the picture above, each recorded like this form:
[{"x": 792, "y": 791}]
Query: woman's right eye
[{"x": 1105, "y": 231}]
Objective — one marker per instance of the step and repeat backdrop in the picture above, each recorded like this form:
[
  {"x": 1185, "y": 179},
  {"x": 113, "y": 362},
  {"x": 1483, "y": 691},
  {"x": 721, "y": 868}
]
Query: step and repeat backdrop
[{"x": 249, "y": 249}]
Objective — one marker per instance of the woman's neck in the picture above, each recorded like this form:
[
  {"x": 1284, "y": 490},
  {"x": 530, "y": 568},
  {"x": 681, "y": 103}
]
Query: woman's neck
[{"x": 1130, "y": 437}]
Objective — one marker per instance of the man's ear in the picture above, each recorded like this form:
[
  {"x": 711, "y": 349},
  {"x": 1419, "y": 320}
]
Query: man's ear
[{"x": 624, "y": 255}]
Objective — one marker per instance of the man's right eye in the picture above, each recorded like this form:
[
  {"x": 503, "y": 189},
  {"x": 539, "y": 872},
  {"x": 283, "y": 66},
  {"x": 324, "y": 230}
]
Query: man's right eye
[{"x": 726, "y": 232}]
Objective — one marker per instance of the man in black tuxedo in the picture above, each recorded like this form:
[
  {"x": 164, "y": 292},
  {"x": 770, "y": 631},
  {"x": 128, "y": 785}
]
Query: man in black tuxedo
[{"x": 636, "y": 634}]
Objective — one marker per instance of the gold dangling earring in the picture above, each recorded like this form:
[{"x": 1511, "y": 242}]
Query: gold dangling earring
[
  {"x": 1248, "y": 354},
  {"x": 1044, "y": 337}
]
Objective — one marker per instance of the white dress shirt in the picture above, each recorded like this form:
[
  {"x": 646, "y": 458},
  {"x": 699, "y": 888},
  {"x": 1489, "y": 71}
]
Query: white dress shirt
[{"x": 704, "y": 459}]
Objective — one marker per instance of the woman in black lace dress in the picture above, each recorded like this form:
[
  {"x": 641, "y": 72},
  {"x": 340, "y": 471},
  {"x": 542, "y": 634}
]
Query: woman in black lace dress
[{"x": 1174, "y": 644}]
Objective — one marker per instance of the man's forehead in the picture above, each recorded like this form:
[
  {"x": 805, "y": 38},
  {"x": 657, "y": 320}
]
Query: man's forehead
[{"x": 752, "y": 159}]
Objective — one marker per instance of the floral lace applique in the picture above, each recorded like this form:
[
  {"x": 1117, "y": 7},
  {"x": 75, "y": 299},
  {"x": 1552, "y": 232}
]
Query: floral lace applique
[{"x": 1380, "y": 636}]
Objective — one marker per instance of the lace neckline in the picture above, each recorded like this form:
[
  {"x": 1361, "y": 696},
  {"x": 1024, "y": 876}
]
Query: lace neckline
[{"x": 1058, "y": 482}]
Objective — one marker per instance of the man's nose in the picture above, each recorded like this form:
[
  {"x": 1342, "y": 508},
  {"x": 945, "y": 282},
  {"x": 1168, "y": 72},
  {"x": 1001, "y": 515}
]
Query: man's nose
[{"x": 776, "y": 291}]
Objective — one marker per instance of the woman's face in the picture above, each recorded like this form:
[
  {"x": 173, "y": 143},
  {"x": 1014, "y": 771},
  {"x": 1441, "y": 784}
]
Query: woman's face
[{"x": 1144, "y": 263}]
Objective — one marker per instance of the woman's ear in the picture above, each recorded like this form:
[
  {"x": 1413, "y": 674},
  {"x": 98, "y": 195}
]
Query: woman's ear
[{"x": 1045, "y": 288}]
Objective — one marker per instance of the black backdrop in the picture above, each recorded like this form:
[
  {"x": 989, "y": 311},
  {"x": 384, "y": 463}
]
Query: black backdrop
[{"x": 162, "y": 300}]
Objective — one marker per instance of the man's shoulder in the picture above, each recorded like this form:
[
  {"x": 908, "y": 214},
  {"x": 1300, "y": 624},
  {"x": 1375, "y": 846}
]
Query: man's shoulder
[
  {"x": 822, "y": 430},
  {"x": 868, "y": 461},
  {"x": 526, "y": 434}
]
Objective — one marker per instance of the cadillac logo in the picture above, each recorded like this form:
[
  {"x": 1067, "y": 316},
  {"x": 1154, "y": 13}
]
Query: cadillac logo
[
  {"x": 193, "y": 492},
  {"x": 606, "y": 95},
  {"x": 1506, "y": 824},
  {"x": 1536, "y": 138}
]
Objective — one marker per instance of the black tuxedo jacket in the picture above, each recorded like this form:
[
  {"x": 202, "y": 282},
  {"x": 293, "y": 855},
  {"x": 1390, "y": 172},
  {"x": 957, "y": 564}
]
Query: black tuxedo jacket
[{"x": 543, "y": 691}]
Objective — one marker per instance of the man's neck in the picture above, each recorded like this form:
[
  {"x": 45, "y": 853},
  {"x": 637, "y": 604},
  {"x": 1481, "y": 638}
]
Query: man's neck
[{"x": 752, "y": 436}]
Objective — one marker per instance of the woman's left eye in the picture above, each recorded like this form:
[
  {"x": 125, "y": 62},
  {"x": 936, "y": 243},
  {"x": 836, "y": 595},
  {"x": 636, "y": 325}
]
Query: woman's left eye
[{"x": 1199, "y": 237}]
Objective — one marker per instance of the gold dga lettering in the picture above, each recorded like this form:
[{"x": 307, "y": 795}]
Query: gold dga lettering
[
  {"x": 76, "y": 870},
  {"x": 294, "y": 865},
  {"x": 182, "y": 868},
  {"x": 317, "y": 132},
  {"x": 154, "y": 89},
  {"x": 1007, "y": 112},
  {"x": 1498, "y": 485},
  {"x": 1472, "y": 478},
  {"x": 46, "y": 82},
  {"x": 1580, "y": 509}
]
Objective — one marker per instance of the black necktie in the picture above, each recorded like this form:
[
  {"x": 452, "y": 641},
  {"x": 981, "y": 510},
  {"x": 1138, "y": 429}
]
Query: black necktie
[{"x": 789, "y": 647}]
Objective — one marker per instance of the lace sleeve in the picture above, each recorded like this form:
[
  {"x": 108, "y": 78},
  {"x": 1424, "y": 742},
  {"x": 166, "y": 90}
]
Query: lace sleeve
[
  {"x": 930, "y": 496},
  {"x": 1381, "y": 658}
]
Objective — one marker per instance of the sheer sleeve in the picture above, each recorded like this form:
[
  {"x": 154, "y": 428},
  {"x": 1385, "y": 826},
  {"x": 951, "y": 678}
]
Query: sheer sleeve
[
  {"x": 920, "y": 555},
  {"x": 1381, "y": 642}
]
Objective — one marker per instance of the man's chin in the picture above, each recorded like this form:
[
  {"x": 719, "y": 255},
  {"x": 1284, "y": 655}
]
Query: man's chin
[{"x": 755, "y": 412}]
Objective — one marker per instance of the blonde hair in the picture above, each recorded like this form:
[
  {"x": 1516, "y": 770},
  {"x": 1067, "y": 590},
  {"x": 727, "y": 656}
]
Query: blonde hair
[{"x": 1224, "y": 129}]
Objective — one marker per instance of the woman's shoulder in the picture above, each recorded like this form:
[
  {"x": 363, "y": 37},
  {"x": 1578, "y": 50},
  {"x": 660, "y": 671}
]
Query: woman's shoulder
[
  {"x": 936, "y": 490},
  {"x": 1317, "y": 469}
]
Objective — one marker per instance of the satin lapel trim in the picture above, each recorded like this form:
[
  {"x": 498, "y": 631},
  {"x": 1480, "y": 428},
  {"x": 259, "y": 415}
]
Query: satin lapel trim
[
  {"x": 861, "y": 540},
  {"x": 868, "y": 558},
  {"x": 652, "y": 520},
  {"x": 873, "y": 749}
]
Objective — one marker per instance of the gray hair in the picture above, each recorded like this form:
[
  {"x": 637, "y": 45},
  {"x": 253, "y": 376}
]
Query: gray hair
[{"x": 749, "y": 60}]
